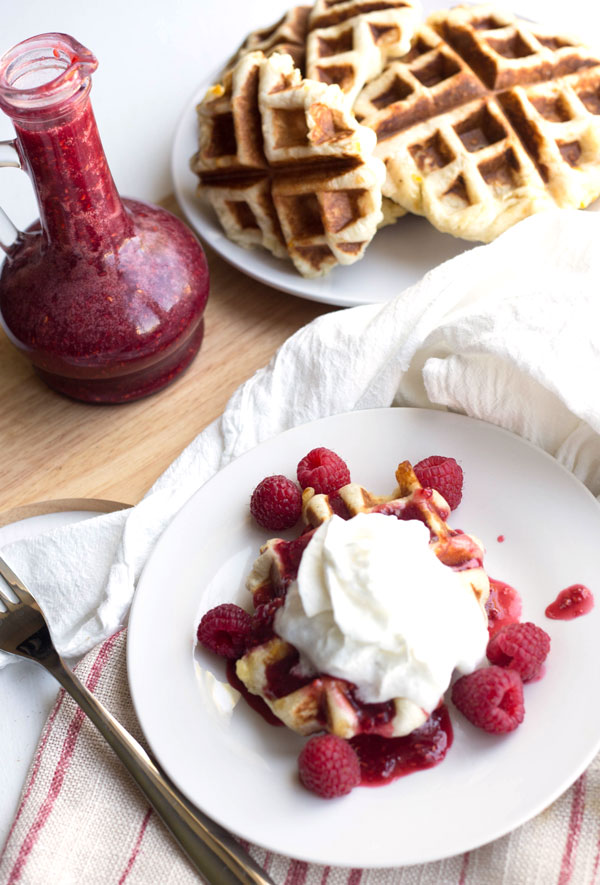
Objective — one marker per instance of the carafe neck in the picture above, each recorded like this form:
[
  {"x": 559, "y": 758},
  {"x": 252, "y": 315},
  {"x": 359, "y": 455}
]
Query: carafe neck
[{"x": 44, "y": 88}]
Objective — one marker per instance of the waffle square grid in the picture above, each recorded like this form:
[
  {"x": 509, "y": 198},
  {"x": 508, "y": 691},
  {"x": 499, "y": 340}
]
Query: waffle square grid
[{"x": 486, "y": 120}]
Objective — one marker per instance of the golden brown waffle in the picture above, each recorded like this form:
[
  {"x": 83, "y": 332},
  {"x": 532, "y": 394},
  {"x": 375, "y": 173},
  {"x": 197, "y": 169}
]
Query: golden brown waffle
[
  {"x": 349, "y": 41},
  {"x": 324, "y": 702},
  {"x": 287, "y": 167},
  {"x": 287, "y": 36},
  {"x": 391, "y": 212},
  {"x": 487, "y": 120}
]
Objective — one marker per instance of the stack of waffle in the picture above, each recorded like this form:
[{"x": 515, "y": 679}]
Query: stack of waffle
[
  {"x": 286, "y": 166},
  {"x": 323, "y": 702},
  {"x": 480, "y": 119}
]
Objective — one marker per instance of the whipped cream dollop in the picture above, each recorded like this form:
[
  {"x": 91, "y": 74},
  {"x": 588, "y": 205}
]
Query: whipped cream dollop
[{"x": 372, "y": 604}]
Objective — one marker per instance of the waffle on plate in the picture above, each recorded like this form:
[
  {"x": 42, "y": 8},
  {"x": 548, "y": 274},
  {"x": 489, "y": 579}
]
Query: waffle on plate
[
  {"x": 487, "y": 120},
  {"x": 286, "y": 36},
  {"x": 481, "y": 119},
  {"x": 286, "y": 166},
  {"x": 323, "y": 702},
  {"x": 349, "y": 42},
  {"x": 346, "y": 42}
]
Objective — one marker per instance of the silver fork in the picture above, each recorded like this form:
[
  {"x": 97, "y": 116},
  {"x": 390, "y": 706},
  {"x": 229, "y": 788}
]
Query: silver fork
[{"x": 211, "y": 849}]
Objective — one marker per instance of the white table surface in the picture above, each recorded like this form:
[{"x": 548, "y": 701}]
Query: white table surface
[{"x": 152, "y": 55}]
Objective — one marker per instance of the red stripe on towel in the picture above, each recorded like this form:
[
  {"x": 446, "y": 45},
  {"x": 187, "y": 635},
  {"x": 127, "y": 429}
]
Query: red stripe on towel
[
  {"x": 37, "y": 763},
  {"x": 296, "y": 874},
  {"x": 462, "y": 876},
  {"x": 575, "y": 822},
  {"x": 596, "y": 862},
  {"x": 355, "y": 877},
  {"x": 136, "y": 847},
  {"x": 61, "y": 768}
]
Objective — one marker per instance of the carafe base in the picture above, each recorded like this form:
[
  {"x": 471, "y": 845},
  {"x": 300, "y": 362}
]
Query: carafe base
[{"x": 125, "y": 388}]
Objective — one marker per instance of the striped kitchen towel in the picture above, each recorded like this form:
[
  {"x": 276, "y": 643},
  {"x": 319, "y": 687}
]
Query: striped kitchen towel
[{"x": 81, "y": 821}]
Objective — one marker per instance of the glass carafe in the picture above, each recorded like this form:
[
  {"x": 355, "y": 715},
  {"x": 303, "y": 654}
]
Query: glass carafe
[{"x": 104, "y": 294}]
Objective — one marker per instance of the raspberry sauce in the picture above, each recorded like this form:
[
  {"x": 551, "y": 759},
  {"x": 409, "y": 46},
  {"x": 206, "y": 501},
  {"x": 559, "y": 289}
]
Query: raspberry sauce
[
  {"x": 421, "y": 500},
  {"x": 382, "y": 759},
  {"x": 282, "y": 678},
  {"x": 291, "y": 554},
  {"x": 253, "y": 700},
  {"x": 104, "y": 295},
  {"x": 373, "y": 717},
  {"x": 572, "y": 602},
  {"x": 385, "y": 759},
  {"x": 503, "y": 606}
]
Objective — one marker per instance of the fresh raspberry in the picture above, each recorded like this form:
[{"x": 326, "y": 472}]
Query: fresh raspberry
[
  {"x": 276, "y": 502},
  {"x": 491, "y": 698},
  {"x": 225, "y": 630},
  {"x": 520, "y": 647},
  {"x": 442, "y": 474},
  {"x": 323, "y": 471},
  {"x": 329, "y": 766}
]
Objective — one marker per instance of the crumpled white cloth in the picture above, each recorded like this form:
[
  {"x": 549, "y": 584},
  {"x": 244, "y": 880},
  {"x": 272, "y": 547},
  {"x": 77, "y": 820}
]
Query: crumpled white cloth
[{"x": 507, "y": 332}]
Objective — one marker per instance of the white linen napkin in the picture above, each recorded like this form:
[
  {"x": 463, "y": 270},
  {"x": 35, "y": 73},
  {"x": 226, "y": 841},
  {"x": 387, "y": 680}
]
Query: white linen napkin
[{"x": 506, "y": 332}]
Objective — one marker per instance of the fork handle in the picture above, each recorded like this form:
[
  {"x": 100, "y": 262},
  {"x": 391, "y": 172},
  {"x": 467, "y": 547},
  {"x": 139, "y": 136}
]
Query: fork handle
[{"x": 212, "y": 850}]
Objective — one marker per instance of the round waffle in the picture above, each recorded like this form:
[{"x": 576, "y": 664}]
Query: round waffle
[{"x": 485, "y": 121}]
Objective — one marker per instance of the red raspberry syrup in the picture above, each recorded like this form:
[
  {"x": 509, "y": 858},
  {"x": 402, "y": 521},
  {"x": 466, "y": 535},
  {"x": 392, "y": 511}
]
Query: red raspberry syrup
[
  {"x": 104, "y": 295},
  {"x": 253, "y": 700},
  {"x": 383, "y": 760},
  {"x": 572, "y": 602},
  {"x": 503, "y": 606}
]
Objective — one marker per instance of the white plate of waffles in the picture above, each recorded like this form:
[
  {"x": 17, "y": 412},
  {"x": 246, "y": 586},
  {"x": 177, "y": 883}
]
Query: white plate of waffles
[
  {"x": 397, "y": 257},
  {"x": 465, "y": 122},
  {"x": 243, "y": 772}
]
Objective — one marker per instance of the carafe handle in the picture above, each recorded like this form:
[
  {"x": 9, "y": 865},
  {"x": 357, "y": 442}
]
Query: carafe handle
[{"x": 9, "y": 234}]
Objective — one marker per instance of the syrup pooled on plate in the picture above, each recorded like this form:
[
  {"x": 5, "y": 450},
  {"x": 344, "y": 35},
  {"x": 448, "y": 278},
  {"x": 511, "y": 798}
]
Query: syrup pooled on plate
[
  {"x": 503, "y": 607},
  {"x": 383, "y": 760},
  {"x": 572, "y": 602}
]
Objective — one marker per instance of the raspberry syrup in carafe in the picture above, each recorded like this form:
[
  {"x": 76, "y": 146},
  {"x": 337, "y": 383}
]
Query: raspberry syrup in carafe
[{"x": 105, "y": 295}]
